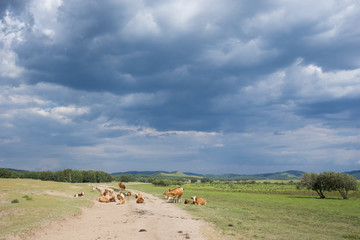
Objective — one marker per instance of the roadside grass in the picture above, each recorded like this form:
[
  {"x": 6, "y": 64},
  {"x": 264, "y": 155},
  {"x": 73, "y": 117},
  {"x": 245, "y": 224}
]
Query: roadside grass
[
  {"x": 259, "y": 215},
  {"x": 39, "y": 202}
]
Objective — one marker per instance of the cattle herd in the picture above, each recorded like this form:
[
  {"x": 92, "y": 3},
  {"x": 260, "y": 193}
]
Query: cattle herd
[{"x": 172, "y": 195}]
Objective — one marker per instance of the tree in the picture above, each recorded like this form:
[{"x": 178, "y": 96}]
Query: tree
[
  {"x": 345, "y": 183},
  {"x": 77, "y": 176},
  {"x": 161, "y": 182},
  {"x": 89, "y": 176},
  {"x": 103, "y": 177},
  {"x": 314, "y": 182},
  {"x": 47, "y": 176},
  {"x": 127, "y": 178},
  {"x": 329, "y": 181},
  {"x": 205, "y": 180},
  {"x": 193, "y": 180},
  {"x": 5, "y": 173}
]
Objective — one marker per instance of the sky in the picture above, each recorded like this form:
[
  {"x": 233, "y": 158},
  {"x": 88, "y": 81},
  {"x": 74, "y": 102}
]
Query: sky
[{"x": 215, "y": 86}]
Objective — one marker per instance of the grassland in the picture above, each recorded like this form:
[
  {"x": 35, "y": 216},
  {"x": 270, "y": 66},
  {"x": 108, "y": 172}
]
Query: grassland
[
  {"x": 271, "y": 211},
  {"x": 274, "y": 210},
  {"x": 26, "y": 204}
]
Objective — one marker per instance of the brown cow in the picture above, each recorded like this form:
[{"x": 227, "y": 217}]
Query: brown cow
[
  {"x": 176, "y": 192},
  {"x": 187, "y": 201},
  {"x": 121, "y": 185},
  {"x": 128, "y": 194},
  {"x": 112, "y": 198},
  {"x": 139, "y": 198},
  {"x": 138, "y": 195},
  {"x": 107, "y": 196},
  {"x": 79, "y": 194},
  {"x": 121, "y": 197},
  {"x": 199, "y": 201},
  {"x": 108, "y": 191},
  {"x": 104, "y": 199}
]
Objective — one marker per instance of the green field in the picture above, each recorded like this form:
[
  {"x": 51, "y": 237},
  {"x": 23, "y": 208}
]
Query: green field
[
  {"x": 271, "y": 211},
  {"x": 26, "y": 204}
]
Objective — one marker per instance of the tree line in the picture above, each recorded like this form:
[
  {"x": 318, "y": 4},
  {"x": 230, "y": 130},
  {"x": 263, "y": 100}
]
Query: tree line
[
  {"x": 76, "y": 176},
  {"x": 66, "y": 175},
  {"x": 329, "y": 181}
]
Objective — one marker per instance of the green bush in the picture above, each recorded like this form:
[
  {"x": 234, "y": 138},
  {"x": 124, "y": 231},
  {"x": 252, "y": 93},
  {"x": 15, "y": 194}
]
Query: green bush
[
  {"x": 15, "y": 201},
  {"x": 165, "y": 182}
]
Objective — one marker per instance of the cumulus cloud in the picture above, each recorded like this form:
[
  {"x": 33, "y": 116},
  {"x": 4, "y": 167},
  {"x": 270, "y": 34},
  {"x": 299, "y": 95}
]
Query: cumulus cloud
[
  {"x": 306, "y": 83},
  {"x": 235, "y": 52}
]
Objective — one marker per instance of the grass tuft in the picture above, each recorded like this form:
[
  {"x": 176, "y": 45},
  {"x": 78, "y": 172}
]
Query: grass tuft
[
  {"x": 15, "y": 201},
  {"x": 351, "y": 236},
  {"x": 27, "y": 197}
]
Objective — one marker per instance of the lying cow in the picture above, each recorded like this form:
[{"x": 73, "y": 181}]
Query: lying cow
[
  {"x": 121, "y": 198},
  {"x": 104, "y": 199},
  {"x": 112, "y": 198},
  {"x": 140, "y": 200},
  {"x": 107, "y": 196},
  {"x": 108, "y": 191},
  {"x": 187, "y": 201},
  {"x": 199, "y": 201},
  {"x": 176, "y": 192},
  {"x": 138, "y": 195},
  {"x": 121, "y": 185},
  {"x": 79, "y": 194},
  {"x": 128, "y": 194}
]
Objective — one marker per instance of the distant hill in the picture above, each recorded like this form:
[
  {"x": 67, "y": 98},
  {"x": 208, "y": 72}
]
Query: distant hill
[
  {"x": 195, "y": 174},
  {"x": 139, "y": 172},
  {"x": 355, "y": 174},
  {"x": 287, "y": 175},
  {"x": 16, "y": 170},
  {"x": 161, "y": 174},
  {"x": 176, "y": 174}
]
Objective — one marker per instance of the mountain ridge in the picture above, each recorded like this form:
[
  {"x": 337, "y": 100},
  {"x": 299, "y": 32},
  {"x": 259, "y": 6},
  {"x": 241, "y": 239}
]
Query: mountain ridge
[{"x": 285, "y": 175}]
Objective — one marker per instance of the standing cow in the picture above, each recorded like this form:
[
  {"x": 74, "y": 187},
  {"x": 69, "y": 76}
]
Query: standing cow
[{"x": 176, "y": 192}]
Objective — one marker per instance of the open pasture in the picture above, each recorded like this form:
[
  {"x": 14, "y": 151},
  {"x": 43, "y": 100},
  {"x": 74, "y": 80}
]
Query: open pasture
[
  {"x": 26, "y": 204},
  {"x": 265, "y": 187},
  {"x": 271, "y": 211}
]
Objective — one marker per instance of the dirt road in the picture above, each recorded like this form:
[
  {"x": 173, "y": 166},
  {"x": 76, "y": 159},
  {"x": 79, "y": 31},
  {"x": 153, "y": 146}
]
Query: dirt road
[{"x": 154, "y": 220}]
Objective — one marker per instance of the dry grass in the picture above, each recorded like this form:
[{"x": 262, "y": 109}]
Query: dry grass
[{"x": 39, "y": 203}]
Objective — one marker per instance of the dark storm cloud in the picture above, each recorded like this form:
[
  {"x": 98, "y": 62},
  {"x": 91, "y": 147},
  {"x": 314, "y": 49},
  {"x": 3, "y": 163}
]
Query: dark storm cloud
[
  {"x": 229, "y": 80},
  {"x": 339, "y": 112},
  {"x": 107, "y": 46}
]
